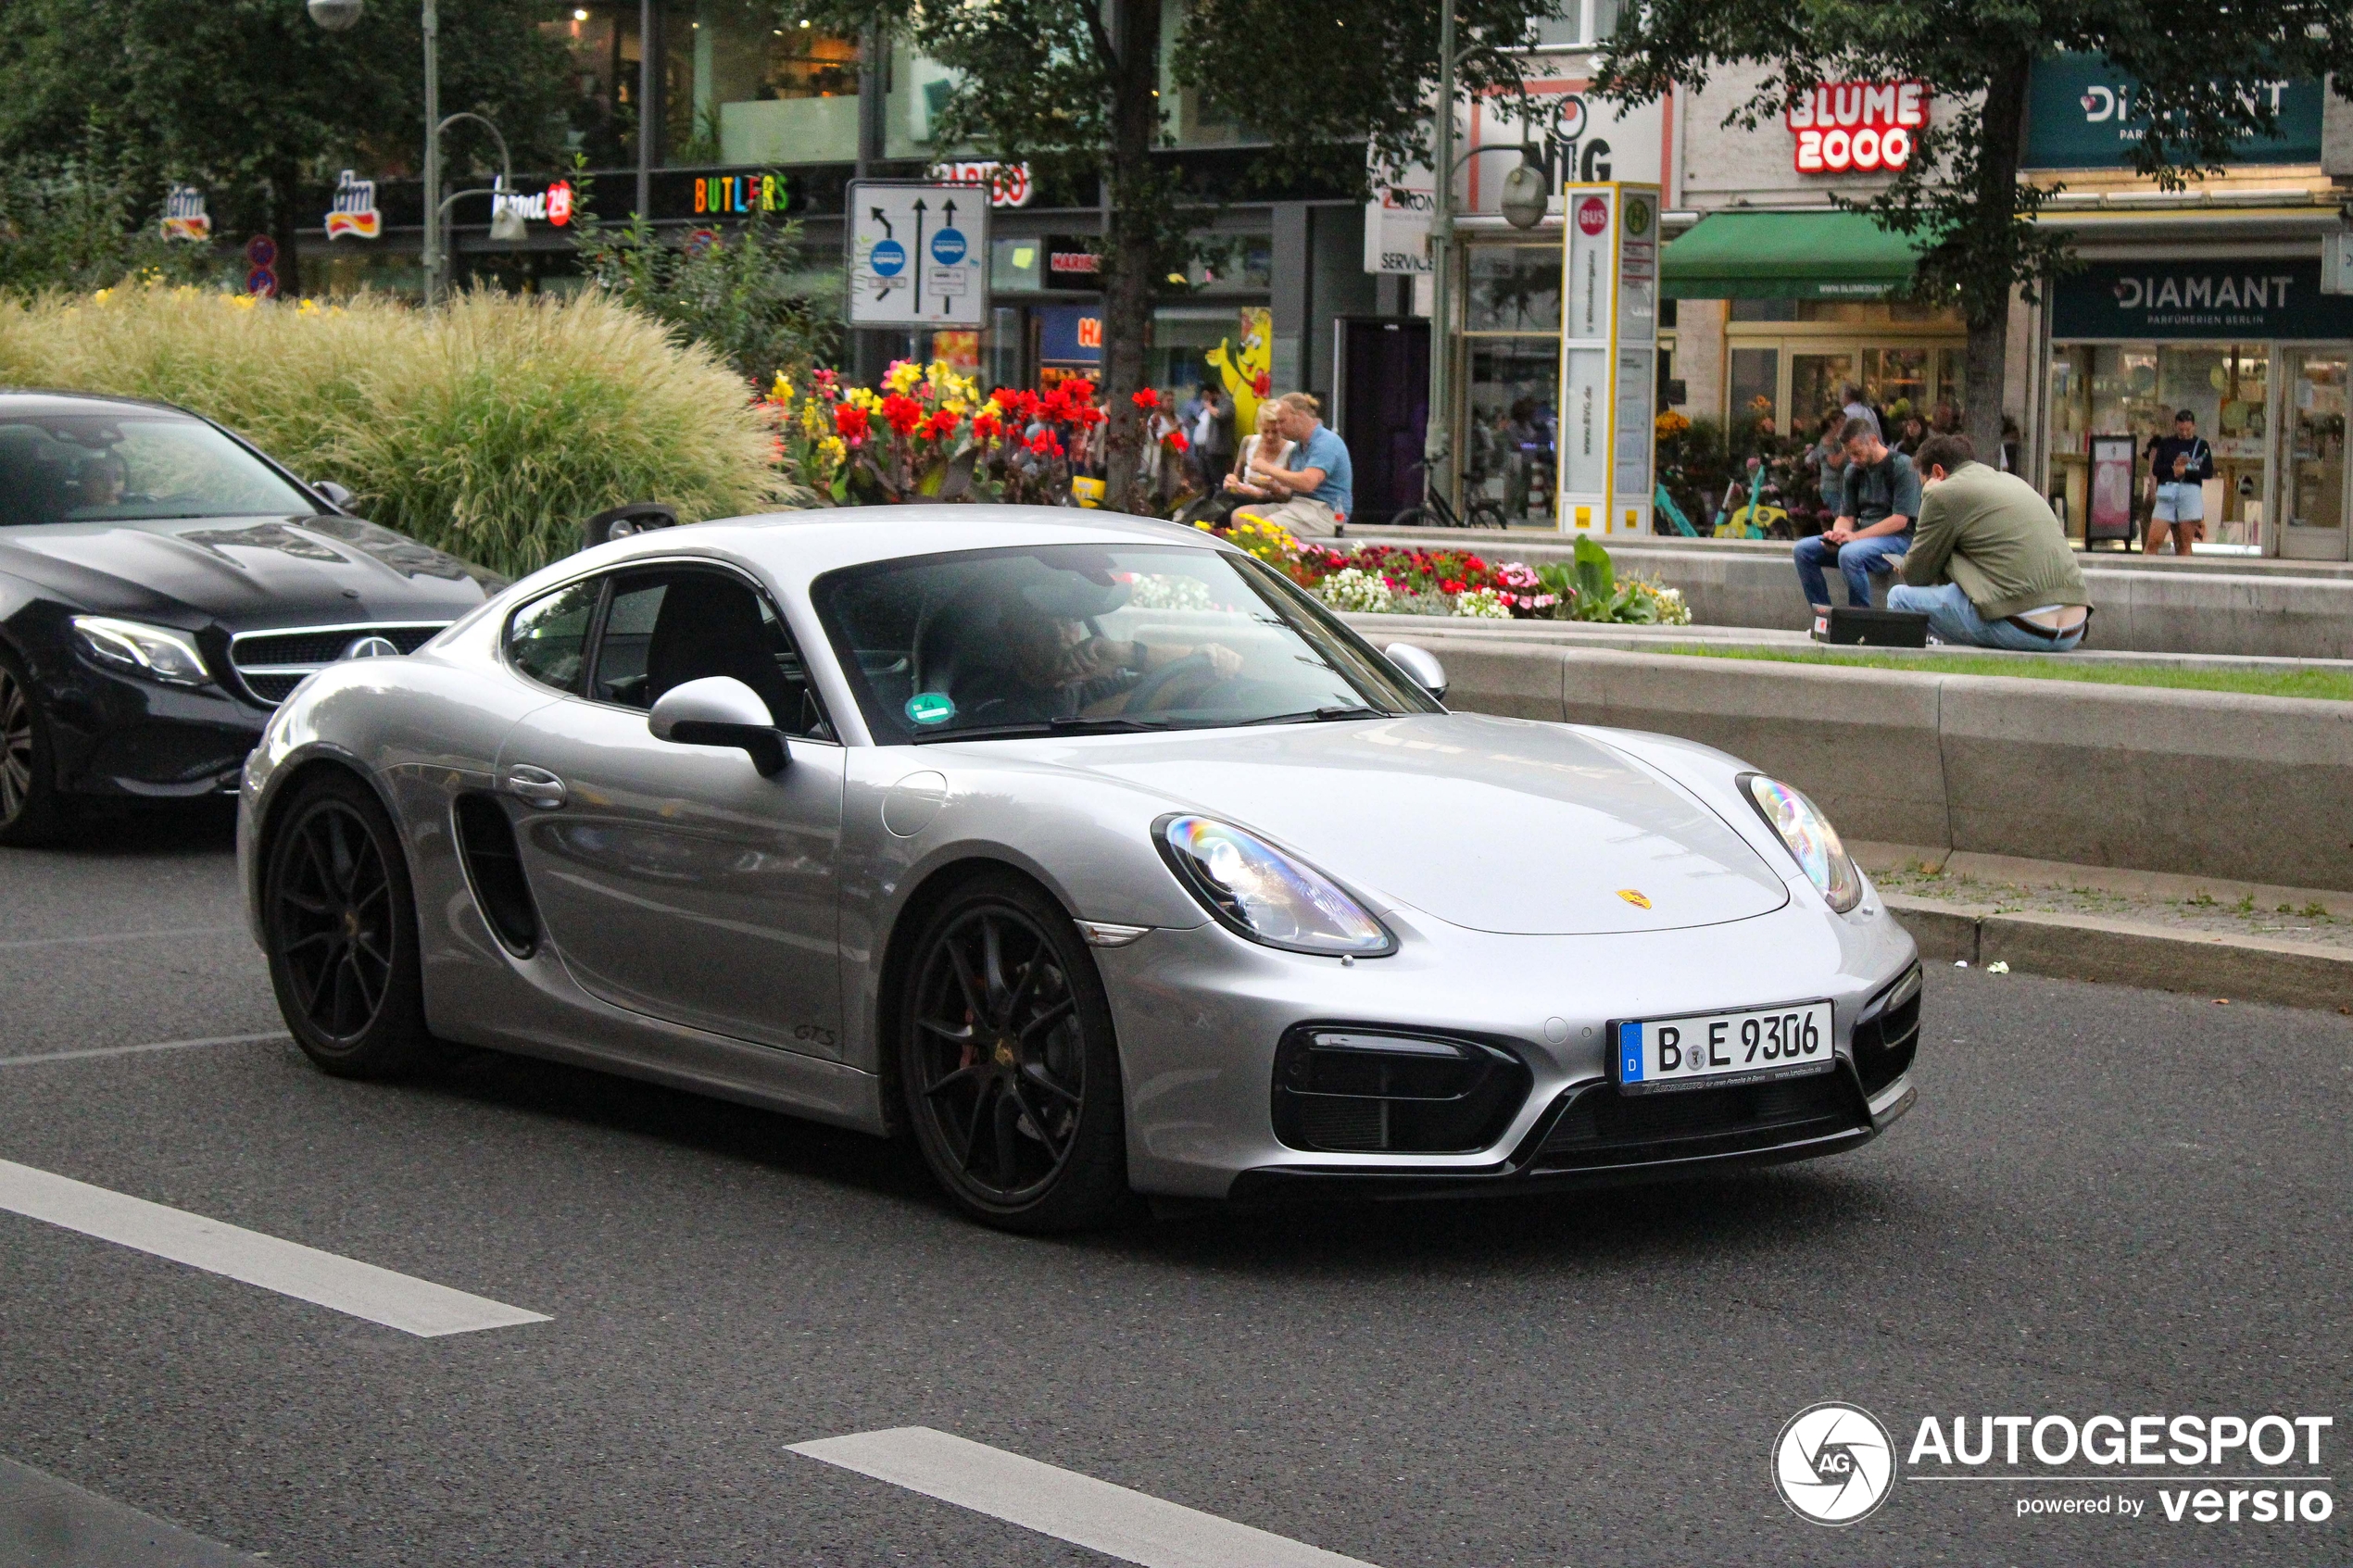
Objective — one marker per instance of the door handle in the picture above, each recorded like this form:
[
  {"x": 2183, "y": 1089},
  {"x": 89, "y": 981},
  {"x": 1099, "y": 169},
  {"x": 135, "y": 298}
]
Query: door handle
[{"x": 535, "y": 786}]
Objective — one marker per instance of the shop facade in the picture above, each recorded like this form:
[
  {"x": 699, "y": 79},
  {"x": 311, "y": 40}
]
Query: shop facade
[{"x": 2211, "y": 300}]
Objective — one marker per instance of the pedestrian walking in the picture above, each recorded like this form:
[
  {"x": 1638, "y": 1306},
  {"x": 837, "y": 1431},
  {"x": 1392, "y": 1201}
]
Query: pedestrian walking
[
  {"x": 1990, "y": 566},
  {"x": 1851, "y": 395}
]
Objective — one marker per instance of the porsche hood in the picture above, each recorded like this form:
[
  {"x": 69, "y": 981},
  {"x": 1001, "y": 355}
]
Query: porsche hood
[{"x": 1494, "y": 824}]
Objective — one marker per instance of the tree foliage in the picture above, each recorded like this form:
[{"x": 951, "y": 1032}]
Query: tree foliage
[
  {"x": 749, "y": 296},
  {"x": 251, "y": 101},
  {"x": 84, "y": 220},
  {"x": 1351, "y": 75},
  {"x": 1964, "y": 195}
]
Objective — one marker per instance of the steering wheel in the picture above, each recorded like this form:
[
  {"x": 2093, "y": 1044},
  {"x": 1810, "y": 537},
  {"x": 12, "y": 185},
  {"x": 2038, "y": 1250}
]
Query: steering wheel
[{"x": 1144, "y": 697}]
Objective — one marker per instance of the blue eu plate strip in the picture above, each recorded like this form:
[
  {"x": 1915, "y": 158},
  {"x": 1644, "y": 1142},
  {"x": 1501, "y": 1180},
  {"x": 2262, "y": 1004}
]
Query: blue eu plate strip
[{"x": 1630, "y": 1053}]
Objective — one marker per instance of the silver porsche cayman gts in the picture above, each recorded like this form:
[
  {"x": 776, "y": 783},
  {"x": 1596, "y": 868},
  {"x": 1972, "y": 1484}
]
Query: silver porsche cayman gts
[{"x": 1087, "y": 851}]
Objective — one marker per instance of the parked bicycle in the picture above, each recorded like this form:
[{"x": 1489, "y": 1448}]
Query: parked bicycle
[{"x": 1439, "y": 513}]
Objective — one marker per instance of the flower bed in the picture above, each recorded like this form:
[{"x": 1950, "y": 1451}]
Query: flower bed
[{"x": 1410, "y": 579}]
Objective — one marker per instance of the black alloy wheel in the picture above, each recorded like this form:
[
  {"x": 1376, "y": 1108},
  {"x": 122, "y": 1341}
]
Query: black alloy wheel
[
  {"x": 342, "y": 932},
  {"x": 30, "y": 812},
  {"x": 1011, "y": 1072}
]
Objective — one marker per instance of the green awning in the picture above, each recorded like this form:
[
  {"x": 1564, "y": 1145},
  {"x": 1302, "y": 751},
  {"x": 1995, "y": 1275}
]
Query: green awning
[{"x": 1785, "y": 255}]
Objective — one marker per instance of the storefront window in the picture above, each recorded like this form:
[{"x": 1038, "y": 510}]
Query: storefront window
[
  {"x": 2312, "y": 488},
  {"x": 1813, "y": 384},
  {"x": 1511, "y": 351},
  {"x": 1797, "y": 353},
  {"x": 1755, "y": 389},
  {"x": 2133, "y": 390},
  {"x": 747, "y": 83},
  {"x": 603, "y": 41}
]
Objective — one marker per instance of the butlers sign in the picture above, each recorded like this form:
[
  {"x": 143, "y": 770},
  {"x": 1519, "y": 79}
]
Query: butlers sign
[{"x": 1857, "y": 127}]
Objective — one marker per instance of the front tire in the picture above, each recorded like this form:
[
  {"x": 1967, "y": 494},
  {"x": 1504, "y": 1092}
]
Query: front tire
[
  {"x": 1011, "y": 1071},
  {"x": 340, "y": 924},
  {"x": 30, "y": 812}
]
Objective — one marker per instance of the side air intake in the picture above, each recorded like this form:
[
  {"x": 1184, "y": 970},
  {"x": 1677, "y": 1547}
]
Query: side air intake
[{"x": 493, "y": 869}]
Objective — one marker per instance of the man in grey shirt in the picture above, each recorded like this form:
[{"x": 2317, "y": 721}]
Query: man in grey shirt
[{"x": 1855, "y": 409}]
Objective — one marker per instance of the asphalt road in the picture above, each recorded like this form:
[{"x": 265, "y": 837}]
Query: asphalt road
[{"x": 2107, "y": 1200}]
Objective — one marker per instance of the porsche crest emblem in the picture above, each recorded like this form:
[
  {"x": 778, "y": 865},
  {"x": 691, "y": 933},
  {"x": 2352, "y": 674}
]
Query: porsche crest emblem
[{"x": 1635, "y": 895}]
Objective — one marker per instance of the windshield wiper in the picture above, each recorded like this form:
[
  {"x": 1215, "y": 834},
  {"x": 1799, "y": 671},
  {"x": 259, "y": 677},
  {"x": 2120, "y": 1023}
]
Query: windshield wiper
[
  {"x": 1074, "y": 724},
  {"x": 1322, "y": 715}
]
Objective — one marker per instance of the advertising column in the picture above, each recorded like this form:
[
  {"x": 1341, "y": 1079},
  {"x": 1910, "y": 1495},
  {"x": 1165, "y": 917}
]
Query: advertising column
[{"x": 1609, "y": 354}]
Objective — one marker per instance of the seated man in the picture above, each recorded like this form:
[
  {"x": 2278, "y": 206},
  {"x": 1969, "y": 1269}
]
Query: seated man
[
  {"x": 1320, "y": 479},
  {"x": 1991, "y": 566},
  {"x": 1882, "y": 496}
]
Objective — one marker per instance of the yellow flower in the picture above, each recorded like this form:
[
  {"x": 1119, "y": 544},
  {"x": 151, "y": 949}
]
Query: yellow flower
[
  {"x": 102, "y": 296},
  {"x": 245, "y": 301},
  {"x": 903, "y": 376},
  {"x": 835, "y": 448},
  {"x": 782, "y": 391},
  {"x": 308, "y": 308}
]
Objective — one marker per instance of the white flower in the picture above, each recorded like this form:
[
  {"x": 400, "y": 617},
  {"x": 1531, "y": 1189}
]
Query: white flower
[
  {"x": 1171, "y": 591},
  {"x": 1483, "y": 604},
  {"x": 1357, "y": 591}
]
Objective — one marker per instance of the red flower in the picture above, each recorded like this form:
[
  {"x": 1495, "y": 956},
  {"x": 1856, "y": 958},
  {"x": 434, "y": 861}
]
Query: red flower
[
  {"x": 1174, "y": 441},
  {"x": 985, "y": 426},
  {"x": 850, "y": 422},
  {"x": 939, "y": 426},
  {"x": 1080, "y": 391},
  {"x": 1046, "y": 444},
  {"x": 903, "y": 413},
  {"x": 1147, "y": 398},
  {"x": 1451, "y": 585}
]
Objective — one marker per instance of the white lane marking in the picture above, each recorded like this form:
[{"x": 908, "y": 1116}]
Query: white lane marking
[
  {"x": 363, "y": 1290},
  {"x": 119, "y": 936},
  {"x": 152, "y": 1046},
  {"x": 1062, "y": 1503}
]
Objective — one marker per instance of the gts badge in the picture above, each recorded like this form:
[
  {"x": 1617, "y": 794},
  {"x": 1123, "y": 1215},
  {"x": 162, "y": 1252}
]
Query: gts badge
[{"x": 810, "y": 1035}]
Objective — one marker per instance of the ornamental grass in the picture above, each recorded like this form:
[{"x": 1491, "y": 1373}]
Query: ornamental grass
[{"x": 490, "y": 428}]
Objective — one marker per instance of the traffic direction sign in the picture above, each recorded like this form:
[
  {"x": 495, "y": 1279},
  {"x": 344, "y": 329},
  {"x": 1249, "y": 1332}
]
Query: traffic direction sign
[{"x": 917, "y": 255}]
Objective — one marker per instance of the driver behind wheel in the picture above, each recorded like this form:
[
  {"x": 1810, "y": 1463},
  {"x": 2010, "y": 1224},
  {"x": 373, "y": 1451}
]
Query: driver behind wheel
[{"x": 1059, "y": 665}]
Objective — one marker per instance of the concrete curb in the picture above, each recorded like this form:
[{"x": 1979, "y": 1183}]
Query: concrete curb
[{"x": 2241, "y": 969}]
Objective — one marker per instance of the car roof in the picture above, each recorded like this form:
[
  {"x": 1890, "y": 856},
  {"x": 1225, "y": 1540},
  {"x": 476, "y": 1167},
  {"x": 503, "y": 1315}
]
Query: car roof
[
  {"x": 801, "y": 545},
  {"x": 40, "y": 401}
]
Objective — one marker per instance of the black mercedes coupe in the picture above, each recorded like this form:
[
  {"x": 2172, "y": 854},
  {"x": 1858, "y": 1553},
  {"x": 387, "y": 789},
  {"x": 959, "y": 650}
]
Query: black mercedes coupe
[{"x": 164, "y": 585}]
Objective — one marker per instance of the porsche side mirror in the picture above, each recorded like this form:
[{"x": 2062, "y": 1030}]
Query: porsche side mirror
[
  {"x": 721, "y": 711},
  {"x": 337, "y": 495},
  {"x": 1422, "y": 665}
]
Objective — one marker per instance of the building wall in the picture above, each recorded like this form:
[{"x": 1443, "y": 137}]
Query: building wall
[{"x": 1720, "y": 166}]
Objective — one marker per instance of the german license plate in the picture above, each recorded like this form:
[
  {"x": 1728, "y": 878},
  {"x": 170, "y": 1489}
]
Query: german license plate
[{"x": 1716, "y": 1049}]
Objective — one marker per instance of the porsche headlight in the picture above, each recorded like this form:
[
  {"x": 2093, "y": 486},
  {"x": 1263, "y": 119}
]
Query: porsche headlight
[
  {"x": 1813, "y": 843},
  {"x": 1262, "y": 893},
  {"x": 158, "y": 653}
]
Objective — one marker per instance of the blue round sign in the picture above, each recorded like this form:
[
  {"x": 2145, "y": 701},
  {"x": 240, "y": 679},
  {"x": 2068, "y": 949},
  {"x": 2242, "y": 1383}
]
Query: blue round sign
[
  {"x": 948, "y": 246},
  {"x": 890, "y": 258}
]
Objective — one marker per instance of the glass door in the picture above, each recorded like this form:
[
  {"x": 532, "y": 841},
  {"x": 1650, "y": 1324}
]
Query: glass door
[{"x": 2313, "y": 499}]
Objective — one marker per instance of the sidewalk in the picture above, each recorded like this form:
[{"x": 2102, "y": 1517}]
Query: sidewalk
[{"x": 2230, "y": 940}]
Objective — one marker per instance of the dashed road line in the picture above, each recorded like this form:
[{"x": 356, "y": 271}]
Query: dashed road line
[
  {"x": 1131, "y": 1526},
  {"x": 346, "y": 1285},
  {"x": 91, "y": 1051}
]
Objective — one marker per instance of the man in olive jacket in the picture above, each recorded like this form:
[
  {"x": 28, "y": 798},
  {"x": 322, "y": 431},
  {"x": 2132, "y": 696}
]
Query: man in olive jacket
[{"x": 1990, "y": 565}]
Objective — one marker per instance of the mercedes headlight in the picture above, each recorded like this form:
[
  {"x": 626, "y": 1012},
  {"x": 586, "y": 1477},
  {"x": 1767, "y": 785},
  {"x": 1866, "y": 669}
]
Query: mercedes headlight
[
  {"x": 158, "y": 653},
  {"x": 1262, "y": 894},
  {"x": 1813, "y": 843}
]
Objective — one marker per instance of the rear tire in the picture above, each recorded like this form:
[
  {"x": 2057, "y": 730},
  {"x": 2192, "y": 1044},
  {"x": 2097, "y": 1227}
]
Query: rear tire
[
  {"x": 1413, "y": 517},
  {"x": 1486, "y": 514},
  {"x": 1009, "y": 1064},
  {"x": 30, "y": 811},
  {"x": 339, "y": 920}
]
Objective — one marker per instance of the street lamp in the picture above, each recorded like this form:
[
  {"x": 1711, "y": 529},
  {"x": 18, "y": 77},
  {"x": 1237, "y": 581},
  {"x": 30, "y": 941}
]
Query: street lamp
[{"x": 506, "y": 222}]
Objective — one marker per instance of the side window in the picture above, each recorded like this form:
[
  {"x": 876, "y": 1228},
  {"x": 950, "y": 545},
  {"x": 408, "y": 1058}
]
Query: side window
[
  {"x": 670, "y": 626},
  {"x": 548, "y": 637}
]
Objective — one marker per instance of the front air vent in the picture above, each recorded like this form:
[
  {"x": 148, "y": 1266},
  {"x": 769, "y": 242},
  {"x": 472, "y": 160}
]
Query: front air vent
[
  {"x": 493, "y": 869},
  {"x": 1602, "y": 1128},
  {"x": 1366, "y": 1092},
  {"x": 1887, "y": 1035}
]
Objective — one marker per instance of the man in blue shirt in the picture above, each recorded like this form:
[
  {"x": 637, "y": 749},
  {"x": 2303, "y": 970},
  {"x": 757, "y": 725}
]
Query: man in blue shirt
[
  {"x": 1882, "y": 500},
  {"x": 1318, "y": 489}
]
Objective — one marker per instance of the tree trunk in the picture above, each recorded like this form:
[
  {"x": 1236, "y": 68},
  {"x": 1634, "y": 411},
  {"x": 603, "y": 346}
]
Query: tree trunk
[
  {"x": 1130, "y": 240},
  {"x": 1986, "y": 301}
]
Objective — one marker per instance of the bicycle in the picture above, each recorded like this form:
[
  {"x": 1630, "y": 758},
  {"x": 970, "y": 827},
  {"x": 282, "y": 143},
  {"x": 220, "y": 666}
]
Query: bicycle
[{"x": 1439, "y": 513}]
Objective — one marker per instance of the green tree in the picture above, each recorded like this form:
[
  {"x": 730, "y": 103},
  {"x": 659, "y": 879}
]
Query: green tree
[
  {"x": 83, "y": 220},
  {"x": 1964, "y": 197},
  {"x": 749, "y": 295},
  {"x": 251, "y": 101}
]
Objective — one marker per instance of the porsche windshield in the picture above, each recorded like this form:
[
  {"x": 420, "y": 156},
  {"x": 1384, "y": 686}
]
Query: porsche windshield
[
  {"x": 1074, "y": 638},
  {"x": 94, "y": 468}
]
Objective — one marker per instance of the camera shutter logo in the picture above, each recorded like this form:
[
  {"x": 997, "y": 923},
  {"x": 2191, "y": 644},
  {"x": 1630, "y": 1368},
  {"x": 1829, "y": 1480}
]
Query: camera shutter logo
[{"x": 1833, "y": 1463}]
